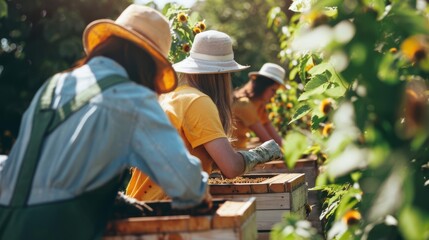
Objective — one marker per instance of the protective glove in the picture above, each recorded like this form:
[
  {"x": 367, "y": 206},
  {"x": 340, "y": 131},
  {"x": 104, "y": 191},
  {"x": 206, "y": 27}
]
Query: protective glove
[
  {"x": 126, "y": 207},
  {"x": 267, "y": 151}
]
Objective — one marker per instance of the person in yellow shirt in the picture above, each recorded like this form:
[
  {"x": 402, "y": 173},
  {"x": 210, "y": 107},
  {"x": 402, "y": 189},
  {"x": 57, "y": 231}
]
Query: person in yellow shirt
[
  {"x": 200, "y": 109},
  {"x": 249, "y": 106}
]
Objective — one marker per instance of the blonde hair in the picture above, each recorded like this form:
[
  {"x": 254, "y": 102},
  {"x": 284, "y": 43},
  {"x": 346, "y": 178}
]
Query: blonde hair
[{"x": 219, "y": 88}]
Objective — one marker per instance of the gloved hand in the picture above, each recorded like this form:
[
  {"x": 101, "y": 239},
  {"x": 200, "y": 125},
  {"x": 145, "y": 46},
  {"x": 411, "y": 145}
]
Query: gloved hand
[
  {"x": 267, "y": 151},
  {"x": 207, "y": 204},
  {"x": 126, "y": 206}
]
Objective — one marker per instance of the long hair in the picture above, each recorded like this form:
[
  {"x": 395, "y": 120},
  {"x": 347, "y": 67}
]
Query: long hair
[
  {"x": 219, "y": 88},
  {"x": 254, "y": 88},
  {"x": 139, "y": 64}
]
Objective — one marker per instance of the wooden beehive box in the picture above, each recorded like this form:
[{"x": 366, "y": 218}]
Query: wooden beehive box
[
  {"x": 276, "y": 195},
  {"x": 307, "y": 165},
  {"x": 229, "y": 219}
]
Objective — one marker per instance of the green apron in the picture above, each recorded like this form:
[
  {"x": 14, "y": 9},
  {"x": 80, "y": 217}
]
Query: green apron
[{"x": 83, "y": 217}]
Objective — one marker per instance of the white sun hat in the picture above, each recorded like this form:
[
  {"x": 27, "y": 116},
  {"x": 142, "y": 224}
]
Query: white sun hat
[
  {"x": 271, "y": 71},
  {"x": 211, "y": 52}
]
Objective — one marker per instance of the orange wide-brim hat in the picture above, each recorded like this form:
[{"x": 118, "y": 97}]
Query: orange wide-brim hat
[{"x": 146, "y": 28}]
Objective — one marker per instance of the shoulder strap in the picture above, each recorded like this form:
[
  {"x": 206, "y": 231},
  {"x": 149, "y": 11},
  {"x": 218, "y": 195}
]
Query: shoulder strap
[{"x": 45, "y": 120}]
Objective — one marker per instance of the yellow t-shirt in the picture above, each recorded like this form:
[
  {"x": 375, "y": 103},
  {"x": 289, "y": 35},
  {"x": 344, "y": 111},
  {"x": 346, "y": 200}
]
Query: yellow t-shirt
[
  {"x": 196, "y": 118},
  {"x": 246, "y": 113}
]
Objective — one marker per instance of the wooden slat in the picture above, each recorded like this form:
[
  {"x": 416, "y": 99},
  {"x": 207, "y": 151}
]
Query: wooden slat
[
  {"x": 265, "y": 200},
  {"x": 310, "y": 161},
  {"x": 234, "y": 213},
  {"x": 299, "y": 197},
  {"x": 241, "y": 188},
  {"x": 259, "y": 188},
  {"x": 217, "y": 234},
  {"x": 308, "y": 166},
  {"x": 249, "y": 228},
  {"x": 266, "y": 219},
  {"x": 284, "y": 182},
  {"x": 264, "y": 235},
  {"x": 144, "y": 225},
  {"x": 230, "y": 215},
  {"x": 230, "y": 188},
  {"x": 281, "y": 183},
  {"x": 296, "y": 180}
]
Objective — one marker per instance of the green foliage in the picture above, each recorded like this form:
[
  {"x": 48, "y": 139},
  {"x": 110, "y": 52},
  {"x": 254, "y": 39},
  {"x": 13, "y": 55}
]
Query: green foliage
[
  {"x": 40, "y": 38},
  {"x": 283, "y": 107},
  {"x": 293, "y": 228},
  {"x": 245, "y": 22},
  {"x": 3, "y": 8},
  {"x": 184, "y": 26},
  {"x": 365, "y": 72},
  {"x": 297, "y": 141}
]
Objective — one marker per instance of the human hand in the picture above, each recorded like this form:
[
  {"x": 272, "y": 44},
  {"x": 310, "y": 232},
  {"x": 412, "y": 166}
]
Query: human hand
[
  {"x": 267, "y": 151},
  {"x": 207, "y": 203},
  {"x": 271, "y": 150}
]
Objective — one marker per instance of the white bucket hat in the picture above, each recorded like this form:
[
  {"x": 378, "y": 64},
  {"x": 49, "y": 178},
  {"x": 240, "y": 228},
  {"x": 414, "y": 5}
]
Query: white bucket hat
[
  {"x": 211, "y": 52},
  {"x": 271, "y": 71},
  {"x": 145, "y": 27}
]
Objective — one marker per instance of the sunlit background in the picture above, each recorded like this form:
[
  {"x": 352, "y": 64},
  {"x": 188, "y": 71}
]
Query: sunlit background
[{"x": 161, "y": 3}]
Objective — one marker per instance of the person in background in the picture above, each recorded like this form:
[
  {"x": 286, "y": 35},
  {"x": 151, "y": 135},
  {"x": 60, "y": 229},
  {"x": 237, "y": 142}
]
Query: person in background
[
  {"x": 87, "y": 125},
  {"x": 200, "y": 109},
  {"x": 249, "y": 106}
]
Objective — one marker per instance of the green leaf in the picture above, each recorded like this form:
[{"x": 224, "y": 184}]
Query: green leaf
[
  {"x": 336, "y": 92},
  {"x": 316, "y": 81},
  {"x": 300, "y": 112},
  {"x": 272, "y": 15},
  {"x": 293, "y": 73},
  {"x": 302, "y": 63},
  {"x": 294, "y": 145},
  {"x": 317, "y": 91},
  {"x": 320, "y": 68},
  {"x": 377, "y": 5},
  {"x": 3, "y": 8},
  {"x": 315, "y": 121},
  {"x": 387, "y": 71},
  {"x": 413, "y": 223}
]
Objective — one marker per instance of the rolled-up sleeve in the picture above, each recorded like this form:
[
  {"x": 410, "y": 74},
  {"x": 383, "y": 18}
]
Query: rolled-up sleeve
[{"x": 158, "y": 151}]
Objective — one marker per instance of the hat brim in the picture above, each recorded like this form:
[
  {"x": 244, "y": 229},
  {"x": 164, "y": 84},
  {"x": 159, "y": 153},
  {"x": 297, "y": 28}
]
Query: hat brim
[
  {"x": 99, "y": 30},
  {"x": 197, "y": 66},
  {"x": 272, "y": 77}
]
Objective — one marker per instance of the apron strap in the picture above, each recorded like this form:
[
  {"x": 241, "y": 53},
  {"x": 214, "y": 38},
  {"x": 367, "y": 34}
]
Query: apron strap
[{"x": 45, "y": 120}]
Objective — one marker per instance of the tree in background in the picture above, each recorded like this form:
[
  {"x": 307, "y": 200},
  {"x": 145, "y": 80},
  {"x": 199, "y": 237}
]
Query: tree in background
[
  {"x": 245, "y": 22},
  {"x": 37, "y": 39}
]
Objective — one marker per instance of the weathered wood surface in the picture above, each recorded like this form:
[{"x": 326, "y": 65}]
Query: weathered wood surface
[
  {"x": 269, "y": 201},
  {"x": 274, "y": 183},
  {"x": 307, "y": 165},
  {"x": 234, "y": 219},
  {"x": 266, "y": 219},
  {"x": 310, "y": 168},
  {"x": 283, "y": 193}
]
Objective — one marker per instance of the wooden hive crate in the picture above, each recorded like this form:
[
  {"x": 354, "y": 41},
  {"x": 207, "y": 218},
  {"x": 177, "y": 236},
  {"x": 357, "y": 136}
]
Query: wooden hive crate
[
  {"x": 229, "y": 219},
  {"x": 275, "y": 196},
  {"x": 307, "y": 165}
]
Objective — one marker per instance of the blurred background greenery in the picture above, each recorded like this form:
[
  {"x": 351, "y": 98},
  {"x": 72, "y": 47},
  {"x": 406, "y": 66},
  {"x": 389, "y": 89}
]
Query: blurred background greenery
[
  {"x": 41, "y": 37},
  {"x": 357, "y": 92}
]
